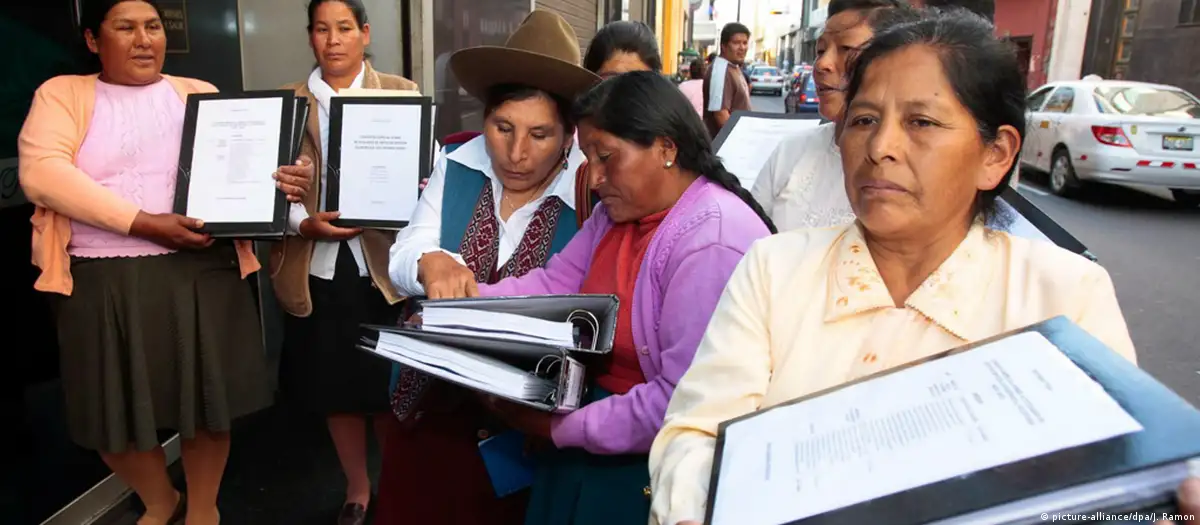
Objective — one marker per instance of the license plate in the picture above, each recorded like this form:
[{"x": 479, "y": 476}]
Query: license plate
[{"x": 1177, "y": 143}]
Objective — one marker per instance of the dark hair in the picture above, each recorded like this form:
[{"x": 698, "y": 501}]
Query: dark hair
[
  {"x": 356, "y": 7},
  {"x": 93, "y": 13},
  {"x": 643, "y": 106},
  {"x": 623, "y": 36},
  {"x": 733, "y": 28},
  {"x": 696, "y": 69},
  {"x": 837, "y": 7},
  {"x": 500, "y": 94},
  {"x": 983, "y": 8},
  {"x": 982, "y": 70},
  {"x": 877, "y": 14}
]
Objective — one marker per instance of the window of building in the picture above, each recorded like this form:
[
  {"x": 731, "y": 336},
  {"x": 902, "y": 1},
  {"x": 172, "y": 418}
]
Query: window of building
[
  {"x": 1189, "y": 12},
  {"x": 1128, "y": 24}
]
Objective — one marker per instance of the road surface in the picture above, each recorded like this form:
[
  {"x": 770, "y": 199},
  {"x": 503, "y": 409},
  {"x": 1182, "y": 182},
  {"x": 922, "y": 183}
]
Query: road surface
[
  {"x": 1151, "y": 247},
  {"x": 768, "y": 103}
]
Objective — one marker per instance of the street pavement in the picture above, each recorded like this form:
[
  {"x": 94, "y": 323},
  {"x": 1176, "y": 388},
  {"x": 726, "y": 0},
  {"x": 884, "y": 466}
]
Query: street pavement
[
  {"x": 767, "y": 103},
  {"x": 1151, "y": 248}
]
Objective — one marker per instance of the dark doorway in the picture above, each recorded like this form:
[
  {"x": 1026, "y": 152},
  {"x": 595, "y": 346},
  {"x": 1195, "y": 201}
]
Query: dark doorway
[
  {"x": 43, "y": 470},
  {"x": 1023, "y": 47}
]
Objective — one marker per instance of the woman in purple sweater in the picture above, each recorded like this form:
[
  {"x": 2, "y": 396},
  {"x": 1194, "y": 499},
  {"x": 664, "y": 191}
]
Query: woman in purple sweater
[{"x": 671, "y": 226}]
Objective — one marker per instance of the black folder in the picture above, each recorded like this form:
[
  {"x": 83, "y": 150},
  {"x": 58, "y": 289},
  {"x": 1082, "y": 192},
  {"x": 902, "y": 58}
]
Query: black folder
[
  {"x": 294, "y": 113},
  {"x": 1170, "y": 437}
]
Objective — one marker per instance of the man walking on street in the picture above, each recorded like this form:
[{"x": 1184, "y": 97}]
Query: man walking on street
[{"x": 725, "y": 88}]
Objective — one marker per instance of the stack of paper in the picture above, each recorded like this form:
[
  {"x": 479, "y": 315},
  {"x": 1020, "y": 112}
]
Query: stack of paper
[
  {"x": 498, "y": 325},
  {"x": 466, "y": 368}
]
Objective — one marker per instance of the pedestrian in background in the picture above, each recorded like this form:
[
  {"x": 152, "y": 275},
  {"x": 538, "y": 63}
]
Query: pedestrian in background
[
  {"x": 693, "y": 88},
  {"x": 619, "y": 47},
  {"x": 725, "y": 86}
]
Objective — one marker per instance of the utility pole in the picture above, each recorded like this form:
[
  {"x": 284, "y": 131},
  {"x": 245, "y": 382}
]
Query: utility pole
[{"x": 739, "y": 11}]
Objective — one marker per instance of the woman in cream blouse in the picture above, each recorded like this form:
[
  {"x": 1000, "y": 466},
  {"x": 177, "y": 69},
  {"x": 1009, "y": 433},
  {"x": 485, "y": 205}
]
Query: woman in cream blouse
[{"x": 932, "y": 129}]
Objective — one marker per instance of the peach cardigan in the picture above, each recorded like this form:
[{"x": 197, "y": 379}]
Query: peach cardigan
[{"x": 52, "y": 135}]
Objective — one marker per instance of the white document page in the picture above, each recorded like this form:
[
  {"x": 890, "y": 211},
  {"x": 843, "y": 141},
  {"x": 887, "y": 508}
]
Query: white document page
[
  {"x": 751, "y": 142},
  {"x": 236, "y": 154},
  {"x": 477, "y": 371},
  {"x": 498, "y": 324},
  {"x": 997, "y": 404},
  {"x": 380, "y": 162}
]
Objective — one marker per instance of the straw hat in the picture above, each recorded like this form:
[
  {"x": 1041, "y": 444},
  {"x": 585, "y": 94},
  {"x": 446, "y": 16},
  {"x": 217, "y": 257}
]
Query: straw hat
[{"x": 542, "y": 53}]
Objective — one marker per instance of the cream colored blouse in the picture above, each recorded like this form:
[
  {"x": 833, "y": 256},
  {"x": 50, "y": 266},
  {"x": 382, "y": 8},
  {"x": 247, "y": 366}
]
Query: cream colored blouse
[{"x": 807, "y": 310}]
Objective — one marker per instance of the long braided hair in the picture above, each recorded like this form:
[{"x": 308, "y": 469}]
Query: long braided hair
[{"x": 644, "y": 106}]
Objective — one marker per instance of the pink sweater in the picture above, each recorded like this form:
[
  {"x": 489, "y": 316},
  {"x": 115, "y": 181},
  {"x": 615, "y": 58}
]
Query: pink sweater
[
  {"x": 131, "y": 148},
  {"x": 54, "y": 131}
]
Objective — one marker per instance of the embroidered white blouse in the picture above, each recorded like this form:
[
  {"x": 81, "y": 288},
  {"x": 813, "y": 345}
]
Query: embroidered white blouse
[{"x": 801, "y": 184}]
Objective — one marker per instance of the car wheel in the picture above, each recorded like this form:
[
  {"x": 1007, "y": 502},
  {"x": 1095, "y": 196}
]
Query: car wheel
[
  {"x": 1062, "y": 174},
  {"x": 1185, "y": 198}
]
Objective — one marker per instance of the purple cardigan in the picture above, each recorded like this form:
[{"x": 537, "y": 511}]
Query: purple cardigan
[{"x": 687, "y": 264}]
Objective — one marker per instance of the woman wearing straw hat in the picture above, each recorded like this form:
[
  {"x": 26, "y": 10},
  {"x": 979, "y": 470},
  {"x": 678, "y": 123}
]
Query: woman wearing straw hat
[{"x": 496, "y": 206}]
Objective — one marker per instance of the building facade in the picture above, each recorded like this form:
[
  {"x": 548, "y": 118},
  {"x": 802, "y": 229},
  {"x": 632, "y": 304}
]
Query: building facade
[
  {"x": 1029, "y": 26},
  {"x": 1145, "y": 40}
]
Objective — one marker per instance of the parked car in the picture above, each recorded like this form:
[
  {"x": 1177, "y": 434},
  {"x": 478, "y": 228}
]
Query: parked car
[
  {"x": 1117, "y": 132},
  {"x": 766, "y": 78},
  {"x": 798, "y": 72},
  {"x": 802, "y": 97}
]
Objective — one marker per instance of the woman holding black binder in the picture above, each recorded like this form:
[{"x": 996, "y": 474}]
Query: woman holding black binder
[
  {"x": 330, "y": 279},
  {"x": 934, "y": 121},
  {"x": 157, "y": 326}
]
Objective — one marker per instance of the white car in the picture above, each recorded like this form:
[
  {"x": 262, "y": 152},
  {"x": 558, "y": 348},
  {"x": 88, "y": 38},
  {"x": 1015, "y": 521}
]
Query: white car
[
  {"x": 1110, "y": 131},
  {"x": 766, "y": 78}
]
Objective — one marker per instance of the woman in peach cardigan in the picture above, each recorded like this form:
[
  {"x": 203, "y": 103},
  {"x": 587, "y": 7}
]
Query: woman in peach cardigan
[{"x": 157, "y": 326}]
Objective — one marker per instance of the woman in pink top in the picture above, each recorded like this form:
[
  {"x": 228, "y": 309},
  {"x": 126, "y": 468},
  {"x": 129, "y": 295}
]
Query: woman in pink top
[
  {"x": 694, "y": 88},
  {"x": 157, "y": 329}
]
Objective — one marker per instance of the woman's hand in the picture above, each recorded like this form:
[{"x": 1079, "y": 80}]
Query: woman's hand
[
  {"x": 318, "y": 227},
  {"x": 532, "y": 423},
  {"x": 1188, "y": 498},
  {"x": 170, "y": 230},
  {"x": 444, "y": 278},
  {"x": 295, "y": 180}
]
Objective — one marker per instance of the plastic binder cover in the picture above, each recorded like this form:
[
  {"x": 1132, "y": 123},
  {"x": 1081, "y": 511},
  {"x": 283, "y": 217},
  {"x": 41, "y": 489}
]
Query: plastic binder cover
[
  {"x": 547, "y": 307},
  {"x": 562, "y": 375}
]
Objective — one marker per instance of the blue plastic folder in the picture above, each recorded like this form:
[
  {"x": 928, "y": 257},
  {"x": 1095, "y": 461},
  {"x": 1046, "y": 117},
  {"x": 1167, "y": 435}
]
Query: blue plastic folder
[{"x": 509, "y": 467}]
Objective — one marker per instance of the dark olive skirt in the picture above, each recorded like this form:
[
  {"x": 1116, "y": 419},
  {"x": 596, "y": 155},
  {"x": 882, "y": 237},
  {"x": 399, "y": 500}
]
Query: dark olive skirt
[
  {"x": 322, "y": 370},
  {"x": 168, "y": 342},
  {"x": 575, "y": 487}
]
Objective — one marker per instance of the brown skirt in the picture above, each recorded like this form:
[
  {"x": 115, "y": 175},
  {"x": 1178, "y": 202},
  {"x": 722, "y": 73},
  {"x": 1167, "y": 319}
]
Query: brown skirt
[
  {"x": 169, "y": 342},
  {"x": 432, "y": 471}
]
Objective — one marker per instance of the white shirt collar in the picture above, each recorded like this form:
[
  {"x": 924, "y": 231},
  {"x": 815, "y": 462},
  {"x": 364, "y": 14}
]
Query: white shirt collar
[
  {"x": 473, "y": 154},
  {"x": 324, "y": 92}
]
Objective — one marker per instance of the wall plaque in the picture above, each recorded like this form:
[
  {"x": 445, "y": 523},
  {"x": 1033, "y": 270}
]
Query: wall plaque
[{"x": 175, "y": 24}]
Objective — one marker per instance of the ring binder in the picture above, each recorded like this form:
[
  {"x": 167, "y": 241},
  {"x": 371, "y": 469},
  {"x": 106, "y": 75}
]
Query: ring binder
[{"x": 491, "y": 360}]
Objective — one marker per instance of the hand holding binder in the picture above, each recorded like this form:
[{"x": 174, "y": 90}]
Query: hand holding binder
[
  {"x": 530, "y": 422},
  {"x": 296, "y": 179}
]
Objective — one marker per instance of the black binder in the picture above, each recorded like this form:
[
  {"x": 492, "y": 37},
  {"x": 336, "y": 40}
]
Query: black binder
[{"x": 1170, "y": 437}]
